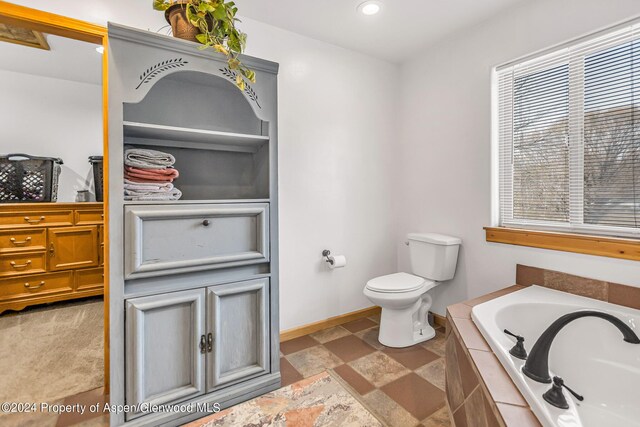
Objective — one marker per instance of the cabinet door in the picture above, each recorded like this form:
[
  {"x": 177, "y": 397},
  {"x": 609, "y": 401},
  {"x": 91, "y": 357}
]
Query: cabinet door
[
  {"x": 165, "y": 350},
  {"x": 238, "y": 319},
  {"x": 73, "y": 247}
]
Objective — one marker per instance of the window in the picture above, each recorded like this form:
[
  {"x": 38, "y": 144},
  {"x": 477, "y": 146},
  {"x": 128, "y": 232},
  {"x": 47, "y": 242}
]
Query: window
[{"x": 569, "y": 137}]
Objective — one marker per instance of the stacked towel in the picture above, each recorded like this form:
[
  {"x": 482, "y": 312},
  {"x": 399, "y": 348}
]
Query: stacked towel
[{"x": 148, "y": 175}]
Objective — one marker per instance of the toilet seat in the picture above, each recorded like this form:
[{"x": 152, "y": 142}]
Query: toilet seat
[{"x": 397, "y": 283}]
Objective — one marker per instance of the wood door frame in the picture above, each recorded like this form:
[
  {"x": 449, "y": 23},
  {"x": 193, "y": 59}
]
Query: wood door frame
[{"x": 63, "y": 26}]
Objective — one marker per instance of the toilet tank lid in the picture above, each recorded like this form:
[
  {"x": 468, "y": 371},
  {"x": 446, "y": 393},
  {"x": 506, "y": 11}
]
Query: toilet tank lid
[{"x": 434, "y": 238}]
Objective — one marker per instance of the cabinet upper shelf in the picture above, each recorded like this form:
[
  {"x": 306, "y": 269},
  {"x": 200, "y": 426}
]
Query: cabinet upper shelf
[{"x": 202, "y": 139}]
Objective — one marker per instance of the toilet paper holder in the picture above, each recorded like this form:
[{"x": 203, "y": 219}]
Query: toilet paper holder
[{"x": 326, "y": 254}]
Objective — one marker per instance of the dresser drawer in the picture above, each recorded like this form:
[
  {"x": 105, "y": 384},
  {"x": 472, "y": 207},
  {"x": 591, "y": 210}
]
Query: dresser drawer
[
  {"x": 168, "y": 239},
  {"x": 13, "y": 264},
  {"x": 90, "y": 279},
  {"x": 23, "y": 240},
  {"x": 89, "y": 217},
  {"x": 37, "y": 284},
  {"x": 36, "y": 218}
]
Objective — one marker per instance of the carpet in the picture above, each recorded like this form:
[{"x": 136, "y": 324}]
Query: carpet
[
  {"x": 320, "y": 400},
  {"x": 52, "y": 351}
]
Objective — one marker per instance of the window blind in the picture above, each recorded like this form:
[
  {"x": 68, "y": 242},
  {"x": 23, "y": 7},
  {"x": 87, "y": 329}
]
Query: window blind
[{"x": 569, "y": 137}]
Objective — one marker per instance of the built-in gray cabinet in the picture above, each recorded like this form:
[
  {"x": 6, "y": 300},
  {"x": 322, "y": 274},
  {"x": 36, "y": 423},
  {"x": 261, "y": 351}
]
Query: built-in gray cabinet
[
  {"x": 193, "y": 283},
  {"x": 238, "y": 314},
  {"x": 164, "y": 360}
]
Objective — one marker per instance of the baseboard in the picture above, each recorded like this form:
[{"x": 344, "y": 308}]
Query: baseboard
[
  {"x": 310, "y": 328},
  {"x": 439, "y": 320}
]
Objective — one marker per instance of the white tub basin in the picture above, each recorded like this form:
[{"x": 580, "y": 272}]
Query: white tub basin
[{"x": 588, "y": 353}]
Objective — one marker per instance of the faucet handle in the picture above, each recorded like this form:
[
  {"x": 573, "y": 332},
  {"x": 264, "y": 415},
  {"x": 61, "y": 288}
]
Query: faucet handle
[
  {"x": 555, "y": 397},
  {"x": 518, "y": 350}
]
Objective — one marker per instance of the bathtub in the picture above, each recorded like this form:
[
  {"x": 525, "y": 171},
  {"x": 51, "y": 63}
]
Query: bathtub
[{"x": 589, "y": 354}]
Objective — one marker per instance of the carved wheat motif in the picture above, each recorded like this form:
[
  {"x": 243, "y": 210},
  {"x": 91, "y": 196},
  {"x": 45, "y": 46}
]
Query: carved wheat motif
[
  {"x": 231, "y": 75},
  {"x": 159, "y": 68}
]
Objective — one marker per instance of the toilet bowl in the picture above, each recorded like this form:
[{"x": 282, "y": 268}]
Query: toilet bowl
[
  {"x": 405, "y": 306},
  {"x": 403, "y": 297}
]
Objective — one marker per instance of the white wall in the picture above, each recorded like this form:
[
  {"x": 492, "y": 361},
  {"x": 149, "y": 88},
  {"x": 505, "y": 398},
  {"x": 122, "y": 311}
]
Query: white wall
[
  {"x": 446, "y": 145},
  {"x": 51, "y": 117},
  {"x": 338, "y": 135}
]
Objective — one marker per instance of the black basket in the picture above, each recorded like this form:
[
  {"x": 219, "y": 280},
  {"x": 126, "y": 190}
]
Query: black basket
[
  {"x": 28, "y": 179},
  {"x": 98, "y": 180}
]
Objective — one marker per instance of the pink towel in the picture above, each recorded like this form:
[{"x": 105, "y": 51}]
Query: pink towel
[{"x": 150, "y": 175}]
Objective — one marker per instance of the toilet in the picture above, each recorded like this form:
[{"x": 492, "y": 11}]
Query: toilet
[{"x": 403, "y": 297}]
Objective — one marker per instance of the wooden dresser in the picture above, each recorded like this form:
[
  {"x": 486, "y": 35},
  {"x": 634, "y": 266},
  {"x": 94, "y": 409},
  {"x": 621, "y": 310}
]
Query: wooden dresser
[{"x": 50, "y": 252}]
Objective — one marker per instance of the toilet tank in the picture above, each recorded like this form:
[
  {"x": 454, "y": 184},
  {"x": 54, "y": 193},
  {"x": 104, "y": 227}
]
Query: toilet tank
[{"x": 433, "y": 256}]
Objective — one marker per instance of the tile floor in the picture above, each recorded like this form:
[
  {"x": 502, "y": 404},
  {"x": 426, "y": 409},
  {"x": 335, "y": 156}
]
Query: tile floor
[{"x": 404, "y": 387}]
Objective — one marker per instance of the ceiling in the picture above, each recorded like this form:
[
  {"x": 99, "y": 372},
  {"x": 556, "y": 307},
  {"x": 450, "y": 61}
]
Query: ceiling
[
  {"x": 68, "y": 59},
  {"x": 400, "y": 29}
]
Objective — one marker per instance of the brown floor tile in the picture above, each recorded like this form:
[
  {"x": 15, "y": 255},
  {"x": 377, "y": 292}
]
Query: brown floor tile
[
  {"x": 436, "y": 344},
  {"x": 289, "y": 374},
  {"x": 378, "y": 368},
  {"x": 439, "y": 419},
  {"x": 370, "y": 336},
  {"x": 434, "y": 373},
  {"x": 412, "y": 357},
  {"x": 359, "y": 325},
  {"x": 354, "y": 379},
  {"x": 330, "y": 334},
  {"x": 418, "y": 396},
  {"x": 313, "y": 360},
  {"x": 349, "y": 348},
  {"x": 297, "y": 344},
  {"x": 29, "y": 419},
  {"x": 389, "y": 410},
  {"x": 102, "y": 421}
]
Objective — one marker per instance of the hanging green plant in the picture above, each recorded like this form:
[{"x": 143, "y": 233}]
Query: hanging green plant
[{"x": 213, "y": 24}]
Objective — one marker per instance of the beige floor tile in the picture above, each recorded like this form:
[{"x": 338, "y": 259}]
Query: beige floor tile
[
  {"x": 330, "y": 334},
  {"x": 434, "y": 373},
  {"x": 379, "y": 369},
  {"x": 313, "y": 360},
  {"x": 390, "y": 412}
]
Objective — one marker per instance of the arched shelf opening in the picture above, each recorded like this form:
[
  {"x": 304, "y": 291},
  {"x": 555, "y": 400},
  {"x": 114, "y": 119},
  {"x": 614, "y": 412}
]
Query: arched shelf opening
[{"x": 221, "y": 147}]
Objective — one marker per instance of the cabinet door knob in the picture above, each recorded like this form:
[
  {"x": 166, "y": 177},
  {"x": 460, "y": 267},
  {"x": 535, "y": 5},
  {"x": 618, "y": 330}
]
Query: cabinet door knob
[
  {"x": 206, "y": 222},
  {"x": 52, "y": 250},
  {"x": 203, "y": 344},
  {"x": 210, "y": 342}
]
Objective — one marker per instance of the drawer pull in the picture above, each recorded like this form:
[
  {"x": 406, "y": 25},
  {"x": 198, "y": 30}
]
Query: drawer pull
[
  {"x": 20, "y": 243},
  {"x": 206, "y": 222},
  {"x": 38, "y": 286},
  {"x": 34, "y": 221},
  {"x": 14, "y": 265}
]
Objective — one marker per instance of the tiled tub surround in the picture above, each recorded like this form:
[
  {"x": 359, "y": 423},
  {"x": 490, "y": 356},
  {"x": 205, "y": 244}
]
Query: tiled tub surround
[
  {"x": 479, "y": 390},
  {"x": 589, "y": 354}
]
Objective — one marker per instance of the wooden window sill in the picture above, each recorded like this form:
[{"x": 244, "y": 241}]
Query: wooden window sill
[{"x": 612, "y": 247}]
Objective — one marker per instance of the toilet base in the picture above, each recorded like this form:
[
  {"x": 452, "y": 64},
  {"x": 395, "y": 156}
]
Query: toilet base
[{"x": 398, "y": 329}]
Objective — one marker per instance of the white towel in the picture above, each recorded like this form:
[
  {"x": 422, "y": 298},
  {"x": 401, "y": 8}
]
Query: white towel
[
  {"x": 132, "y": 195},
  {"x": 148, "y": 159}
]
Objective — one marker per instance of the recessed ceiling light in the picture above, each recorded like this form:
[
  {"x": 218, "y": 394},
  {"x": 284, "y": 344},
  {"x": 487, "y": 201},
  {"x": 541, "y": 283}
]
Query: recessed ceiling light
[
  {"x": 100, "y": 49},
  {"x": 370, "y": 7}
]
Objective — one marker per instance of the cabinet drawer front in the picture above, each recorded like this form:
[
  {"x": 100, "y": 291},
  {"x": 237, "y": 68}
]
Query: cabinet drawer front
[
  {"x": 89, "y": 217},
  {"x": 36, "y": 218},
  {"x": 35, "y": 285},
  {"x": 165, "y": 239},
  {"x": 90, "y": 279},
  {"x": 22, "y": 263},
  {"x": 23, "y": 240}
]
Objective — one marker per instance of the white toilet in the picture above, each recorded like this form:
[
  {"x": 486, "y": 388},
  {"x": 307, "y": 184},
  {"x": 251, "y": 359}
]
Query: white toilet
[{"x": 403, "y": 297}]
